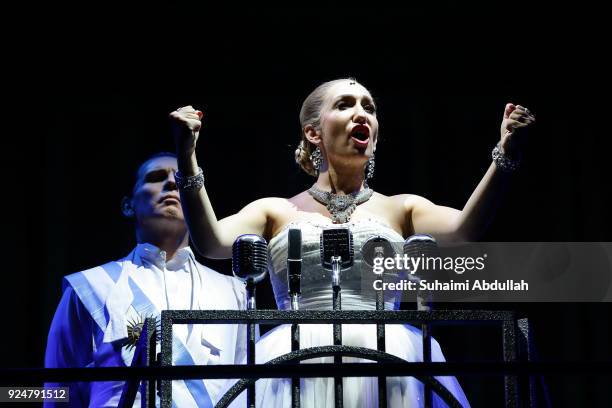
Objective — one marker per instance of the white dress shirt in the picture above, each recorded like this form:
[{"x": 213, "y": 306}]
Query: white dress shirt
[{"x": 90, "y": 324}]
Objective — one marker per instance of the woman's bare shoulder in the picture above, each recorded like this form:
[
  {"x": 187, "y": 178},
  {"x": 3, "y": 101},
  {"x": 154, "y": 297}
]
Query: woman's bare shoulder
[
  {"x": 404, "y": 201},
  {"x": 409, "y": 200},
  {"x": 273, "y": 204},
  {"x": 299, "y": 198}
]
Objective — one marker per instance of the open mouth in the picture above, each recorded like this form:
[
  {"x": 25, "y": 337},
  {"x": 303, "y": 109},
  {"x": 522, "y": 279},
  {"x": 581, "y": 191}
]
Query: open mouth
[{"x": 361, "y": 135}]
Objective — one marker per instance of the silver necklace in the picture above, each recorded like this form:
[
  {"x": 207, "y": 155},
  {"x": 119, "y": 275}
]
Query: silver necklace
[{"x": 340, "y": 206}]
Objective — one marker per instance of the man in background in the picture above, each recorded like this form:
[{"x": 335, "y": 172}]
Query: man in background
[{"x": 98, "y": 306}]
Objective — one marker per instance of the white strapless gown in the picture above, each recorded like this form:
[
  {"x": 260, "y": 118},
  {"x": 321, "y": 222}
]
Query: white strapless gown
[{"x": 403, "y": 341}]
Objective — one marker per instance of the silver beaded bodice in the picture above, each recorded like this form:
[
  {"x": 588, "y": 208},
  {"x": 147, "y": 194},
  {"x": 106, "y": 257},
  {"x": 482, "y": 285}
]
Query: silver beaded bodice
[{"x": 356, "y": 282}]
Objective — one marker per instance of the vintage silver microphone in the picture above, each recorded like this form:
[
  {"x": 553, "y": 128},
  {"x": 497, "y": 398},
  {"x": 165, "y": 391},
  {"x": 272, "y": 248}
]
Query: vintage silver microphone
[
  {"x": 250, "y": 262},
  {"x": 423, "y": 246},
  {"x": 374, "y": 248},
  {"x": 294, "y": 266},
  {"x": 336, "y": 247},
  {"x": 294, "y": 276},
  {"x": 336, "y": 251}
]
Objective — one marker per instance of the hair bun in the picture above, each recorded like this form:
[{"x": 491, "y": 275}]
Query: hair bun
[{"x": 302, "y": 157}]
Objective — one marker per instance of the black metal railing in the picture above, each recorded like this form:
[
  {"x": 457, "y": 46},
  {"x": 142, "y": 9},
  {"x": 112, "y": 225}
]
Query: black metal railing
[
  {"x": 506, "y": 320},
  {"x": 147, "y": 371}
]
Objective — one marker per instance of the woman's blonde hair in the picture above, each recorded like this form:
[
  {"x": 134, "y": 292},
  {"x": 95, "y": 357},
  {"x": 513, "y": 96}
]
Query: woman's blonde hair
[{"x": 310, "y": 114}]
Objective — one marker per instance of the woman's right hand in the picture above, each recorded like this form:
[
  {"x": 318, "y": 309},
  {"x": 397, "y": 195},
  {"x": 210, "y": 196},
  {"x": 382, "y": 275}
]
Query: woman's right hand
[{"x": 186, "y": 124}]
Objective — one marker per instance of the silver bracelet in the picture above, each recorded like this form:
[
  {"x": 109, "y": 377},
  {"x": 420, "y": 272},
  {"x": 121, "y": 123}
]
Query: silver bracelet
[
  {"x": 190, "y": 183},
  {"x": 502, "y": 161}
]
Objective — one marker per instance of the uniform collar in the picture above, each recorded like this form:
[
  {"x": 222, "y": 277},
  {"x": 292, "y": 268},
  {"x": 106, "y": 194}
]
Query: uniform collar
[
  {"x": 148, "y": 253},
  {"x": 207, "y": 296}
]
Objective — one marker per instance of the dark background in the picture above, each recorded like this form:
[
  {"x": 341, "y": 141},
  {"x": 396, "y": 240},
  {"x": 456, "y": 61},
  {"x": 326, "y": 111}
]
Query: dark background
[{"x": 94, "y": 88}]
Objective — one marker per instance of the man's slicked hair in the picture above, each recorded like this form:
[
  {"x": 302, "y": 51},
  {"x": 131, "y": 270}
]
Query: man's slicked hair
[{"x": 154, "y": 156}]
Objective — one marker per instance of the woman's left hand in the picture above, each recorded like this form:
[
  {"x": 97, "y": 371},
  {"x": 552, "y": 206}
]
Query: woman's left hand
[{"x": 516, "y": 118}]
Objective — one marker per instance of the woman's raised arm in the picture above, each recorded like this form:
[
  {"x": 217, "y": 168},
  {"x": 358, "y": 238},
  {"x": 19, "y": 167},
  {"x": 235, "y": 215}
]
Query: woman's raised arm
[
  {"x": 212, "y": 238},
  {"x": 469, "y": 224}
]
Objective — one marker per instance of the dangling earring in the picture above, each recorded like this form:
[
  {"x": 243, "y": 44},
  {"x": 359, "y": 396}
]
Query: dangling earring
[
  {"x": 369, "y": 170},
  {"x": 316, "y": 158}
]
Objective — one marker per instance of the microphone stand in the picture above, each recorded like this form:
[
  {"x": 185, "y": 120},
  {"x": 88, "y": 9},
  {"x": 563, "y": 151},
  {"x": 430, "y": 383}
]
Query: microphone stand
[
  {"x": 294, "y": 270},
  {"x": 336, "y": 244},
  {"x": 249, "y": 263},
  {"x": 336, "y": 264},
  {"x": 373, "y": 249},
  {"x": 250, "y": 289},
  {"x": 424, "y": 304},
  {"x": 250, "y": 293},
  {"x": 424, "y": 244},
  {"x": 380, "y": 332}
]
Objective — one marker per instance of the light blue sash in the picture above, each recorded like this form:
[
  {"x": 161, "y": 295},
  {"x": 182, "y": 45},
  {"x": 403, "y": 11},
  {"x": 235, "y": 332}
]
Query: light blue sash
[
  {"x": 92, "y": 287},
  {"x": 180, "y": 354}
]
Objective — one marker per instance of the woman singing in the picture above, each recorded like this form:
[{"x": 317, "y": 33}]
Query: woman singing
[{"x": 339, "y": 136}]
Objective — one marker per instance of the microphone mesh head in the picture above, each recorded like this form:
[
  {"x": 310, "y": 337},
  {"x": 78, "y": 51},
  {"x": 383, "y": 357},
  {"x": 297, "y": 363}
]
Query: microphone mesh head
[
  {"x": 337, "y": 242},
  {"x": 250, "y": 257},
  {"x": 375, "y": 247},
  {"x": 425, "y": 246},
  {"x": 295, "y": 243},
  {"x": 422, "y": 246}
]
